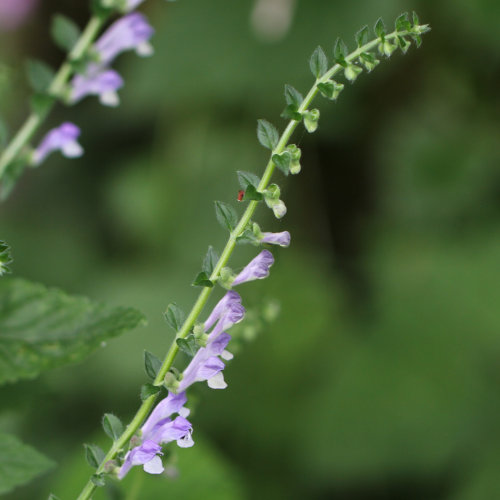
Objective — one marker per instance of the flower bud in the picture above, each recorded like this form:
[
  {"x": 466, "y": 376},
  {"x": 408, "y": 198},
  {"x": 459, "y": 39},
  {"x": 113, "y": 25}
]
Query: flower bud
[{"x": 311, "y": 119}]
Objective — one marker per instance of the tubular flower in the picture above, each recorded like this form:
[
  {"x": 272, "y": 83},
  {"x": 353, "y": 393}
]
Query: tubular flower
[
  {"x": 160, "y": 429},
  {"x": 282, "y": 239},
  {"x": 62, "y": 138},
  {"x": 258, "y": 268},
  {"x": 103, "y": 83},
  {"x": 131, "y": 32}
]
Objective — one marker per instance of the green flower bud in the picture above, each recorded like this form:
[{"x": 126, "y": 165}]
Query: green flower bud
[
  {"x": 311, "y": 119},
  {"x": 352, "y": 71}
]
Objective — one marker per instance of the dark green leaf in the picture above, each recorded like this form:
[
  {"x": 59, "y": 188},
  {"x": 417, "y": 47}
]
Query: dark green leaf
[
  {"x": 40, "y": 75},
  {"x": 43, "y": 328},
  {"x": 41, "y": 103},
  {"x": 340, "y": 52},
  {"x": 19, "y": 463},
  {"x": 5, "y": 258},
  {"x": 416, "y": 20},
  {"x": 4, "y": 133},
  {"x": 64, "y": 32},
  {"x": 152, "y": 365},
  {"x": 210, "y": 261},
  {"x": 112, "y": 426},
  {"x": 251, "y": 194},
  {"x": 283, "y": 161},
  {"x": 330, "y": 89},
  {"x": 247, "y": 178},
  {"x": 188, "y": 345},
  {"x": 380, "y": 28},
  {"x": 267, "y": 134},
  {"x": 402, "y": 23},
  {"x": 368, "y": 60},
  {"x": 148, "y": 390},
  {"x": 98, "y": 479},
  {"x": 291, "y": 113},
  {"x": 362, "y": 36},
  {"x": 94, "y": 455},
  {"x": 403, "y": 44},
  {"x": 226, "y": 215},
  {"x": 417, "y": 39},
  {"x": 318, "y": 63},
  {"x": 202, "y": 280},
  {"x": 174, "y": 316},
  {"x": 292, "y": 96}
]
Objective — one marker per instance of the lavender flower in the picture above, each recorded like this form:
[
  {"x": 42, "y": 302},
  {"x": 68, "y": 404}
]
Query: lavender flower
[
  {"x": 131, "y": 32},
  {"x": 62, "y": 138},
  {"x": 258, "y": 268},
  {"x": 282, "y": 239},
  {"x": 160, "y": 429},
  {"x": 103, "y": 83}
]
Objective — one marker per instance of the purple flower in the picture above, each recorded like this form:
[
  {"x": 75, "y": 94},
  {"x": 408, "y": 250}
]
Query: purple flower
[
  {"x": 160, "y": 429},
  {"x": 62, "y": 138},
  {"x": 103, "y": 83},
  {"x": 223, "y": 306},
  {"x": 281, "y": 239},
  {"x": 130, "y": 32},
  {"x": 258, "y": 268},
  {"x": 14, "y": 12}
]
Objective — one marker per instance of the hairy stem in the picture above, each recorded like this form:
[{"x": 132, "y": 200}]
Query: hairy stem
[
  {"x": 147, "y": 404},
  {"x": 35, "y": 119}
]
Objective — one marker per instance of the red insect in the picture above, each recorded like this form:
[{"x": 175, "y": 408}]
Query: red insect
[{"x": 241, "y": 193}]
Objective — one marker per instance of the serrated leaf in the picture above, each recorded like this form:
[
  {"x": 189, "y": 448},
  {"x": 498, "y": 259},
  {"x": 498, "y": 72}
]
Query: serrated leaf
[
  {"x": 251, "y": 194},
  {"x": 283, "y": 161},
  {"x": 40, "y": 75},
  {"x": 210, "y": 261},
  {"x": 98, "y": 479},
  {"x": 203, "y": 280},
  {"x": 5, "y": 258},
  {"x": 340, "y": 51},
  {"x": 43, "y": 328},
  {"x": 379, "y": 28},
  {"x": 148, "y": 390},
  {"x": 188, "y": 345},
  {"x": 64, "y": 32},
  {"x": 402, "y": 23},
  {"x": 112, "y": 426},
  {"x": 318, "y": 62},
  {"x": 247, "y": 179},
  {"x": 152, "y": 364},
  {"x": 19, "y": 463},
  {"x": 267, "y": 134},
  {"x": 226, "y": 215},
  {"x": 4, "y": 133},
  {"x": 362, "y": 36},
  {"x": 293, "y": 96},
  {"x": 174, "y": 316},
  {"x": 94, "y": 455},
  {"x": 41, "y": 103}
]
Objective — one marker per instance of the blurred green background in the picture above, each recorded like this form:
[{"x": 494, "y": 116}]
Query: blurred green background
[{"x": 380, "y": 379}]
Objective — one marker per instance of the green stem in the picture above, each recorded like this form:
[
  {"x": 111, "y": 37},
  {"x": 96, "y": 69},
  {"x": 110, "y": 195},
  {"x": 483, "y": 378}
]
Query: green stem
[
  {"x": 35, "y": 119},
  {"x": 143, "y": 410}
]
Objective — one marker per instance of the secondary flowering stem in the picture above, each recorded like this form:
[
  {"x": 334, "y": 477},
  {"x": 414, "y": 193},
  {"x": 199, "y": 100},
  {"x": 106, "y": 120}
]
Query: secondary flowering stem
[
  {"x": 58, "y": 83},
  {"x": 147, "y": 404}
]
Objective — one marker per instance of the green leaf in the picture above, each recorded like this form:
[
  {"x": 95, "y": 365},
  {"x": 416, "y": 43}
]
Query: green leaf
[
  {"x": 210, "y": 261},
  {"x": 174, "y": 316},
  {"x": 416, "y": 20},
  {"x": 94, "y": 455},
  {"x": 403, "y": 44},
  {"x": 369, "y": 61},
  {"x": 340, "y": 52},
  {"x": 362, "y": 36},
  {"x": 64, "y": 32},
  {"x": 19, "y": 463},
  {"x": 188, "y": 345},
  {"x": 40, "y": 75},
  {"x": 112, "y": 426},
  {"x": 330, "y": 89},
  {"x": 41, "y": 103},
  {"x": 148, "y": 390},
  {"x": 291, "y": 113},
  {"x": 292, "y": 96},
  {"x": 267, "y": 134},
  {"x": 247, "y": 236},
  {"x": 318, "y": 63},
  {"x": 247, "y": 179},
  {"x": 380, "y": 28},
  {"x": 152, "y": 365},
  {"x": 203, "y": 280},
  {"x": 4, "y": 133},
  {"x": 402, "y": 23},
  {"x": 251, "y": 194},
  {"x": 44, "y": 328},
  {"x": 283, "y": 161},
  {"x": 98, "y": 479},
  {"x": 10, "y": 178},
  {"x": 226, "y": 215},
  {"x": 5, "y": 258},
  {"x": 417, "y": 39}
]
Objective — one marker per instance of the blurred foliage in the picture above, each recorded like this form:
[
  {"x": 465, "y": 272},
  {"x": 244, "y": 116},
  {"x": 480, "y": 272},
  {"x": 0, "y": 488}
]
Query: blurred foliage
[{"x": 380, "y": 378}]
